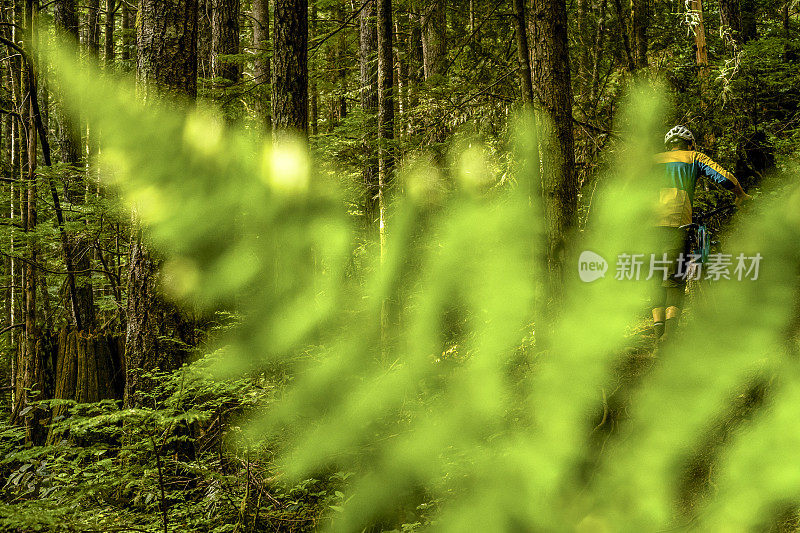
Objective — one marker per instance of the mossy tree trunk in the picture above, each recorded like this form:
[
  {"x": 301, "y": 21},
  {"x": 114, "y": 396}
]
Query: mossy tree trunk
[
  {"x": 290, "y": 67},
  {"x": 261, "y": 66},
  {"x": 224, "y": 42},
  {"x": 108, "y": 43},
  {"x": 553, "y": 91},
  {"x": 523, "y": 51},
  {"x": 434, "y": 38},
  {"x": 640, "y": 24},
  {"x": 167, "y": 57},
  {"x": 93, "y": 27},
  {"x": 367, "y": 58},
  {"x": 32, "y": 365},
  {"x": 88, "y": 369}
]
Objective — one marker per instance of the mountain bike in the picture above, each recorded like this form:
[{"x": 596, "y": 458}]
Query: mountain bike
[
  {"x": 700, "y": 233},
  {"x": 701, "y": 243}
]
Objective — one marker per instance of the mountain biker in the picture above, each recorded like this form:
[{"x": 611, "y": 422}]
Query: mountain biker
[{"x": 682, "y": 165}]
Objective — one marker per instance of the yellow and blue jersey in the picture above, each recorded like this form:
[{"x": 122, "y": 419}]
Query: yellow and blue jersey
[{"x": 681, "y": 170}]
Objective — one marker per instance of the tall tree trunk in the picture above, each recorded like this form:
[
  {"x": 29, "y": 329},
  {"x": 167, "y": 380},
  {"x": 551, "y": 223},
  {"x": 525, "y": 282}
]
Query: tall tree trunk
[
  {"x": 553, "y": 91},
  {"x": 600, "y": 39},
  {"x": 703, "y": 69},
  {"x": 414, "y": 66},
  {"x": 33, "y": 369},
  {"x": 639, "y": 25},
  {"x": 261, "y": 65},
  {"x": 86, "y": 367},
  {"x": 583, "y": 27},
  {"x": 385, "y": 49},
  {"x": 9, "y": 147},
  {"x": 65, "y": 18},
  {"x": 367, "y": 58},
  {"x": 523, "y": 52},
  {"x": 290, "y": 68},
  {"x": 108, "y": 48},
  {"x": 167, "y": 57},
  {"x": 730, "y": 19},
  {"x": 747, "y": 19},
  {"x": 167, "y": 45},
  {"x": 434, "y": 38},
  {"x": 224, "y": 41},
  {"x": 205, "y": 14},
  {"x": 313, "y": 76},
  {"x": 341, "y": 66},
  {"x": 93, "y": 27},
  {"x": 402, "y": 84},
  {"x": 385, "y": 133},
  {"x": 69, "y": 139},
  {"x": 701, "y": 47},
  {"x": 128, "y": 37},
  {"x": 33, "y": 372},
  {"x": 17, "y": 214},
  {"x": 471, "y": 16},
  {"x": 336, "y": 67},
  {"x": 622, "y": 17}
]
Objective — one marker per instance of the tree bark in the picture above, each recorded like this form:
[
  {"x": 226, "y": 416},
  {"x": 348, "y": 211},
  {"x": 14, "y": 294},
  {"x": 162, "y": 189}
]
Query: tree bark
[
  {"x": 553, "y": 91},
  {"x": 336, "y": 68},
  {"x": 33, "y": 372},
  {"x": 88, "y": 370},
  {"x": 108, "y": 48},
  {"x": 93, "y": 27},
  {"x": 640, "y": 24},
  {"x": 69, "y": 138},
  {"x": 205, "y": 14},
  {"x": 624, "y": 30},
  {"x": 402, "y": 82},
  {"x": 703, "y": 68},
  {"x": 9, "y": 164},
  {"x": 600, "y": 39},
  {"x": 434, "y": 38},
  {"x": 313, "y": 104},
  {"x": 65, "y": 17},
  {"x": 523, "y": 52},
  {"x": 17, "y": 205},
  {"x": 414, "y": 67},
  {"x": 730, "y": 18},
  {"x": 385, "y": 94},
  {"x": 141, "y": 336},
  {"x": 224, "y": 41},
  {"x": 290, "y": 67},
  {"x": 127, "y": 34},
  {"x": 342, "y": 60},
  {"x": 167, "y": 45},
  {"x": 167, "y": 57},
  {"x": 261, "y": 67},
  {"x": 367, "y": 58},
  {"x": 385, "y": 136},
  {"x": 701, "y": 48},
  {"x": 748, "y": 20}
]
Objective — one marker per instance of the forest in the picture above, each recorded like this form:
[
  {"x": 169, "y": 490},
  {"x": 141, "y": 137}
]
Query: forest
[{"x": 392, "y": 265}]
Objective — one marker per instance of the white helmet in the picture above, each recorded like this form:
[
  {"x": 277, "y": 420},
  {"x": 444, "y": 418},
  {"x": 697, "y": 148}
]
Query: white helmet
[{"x": 679, "y": 132}]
